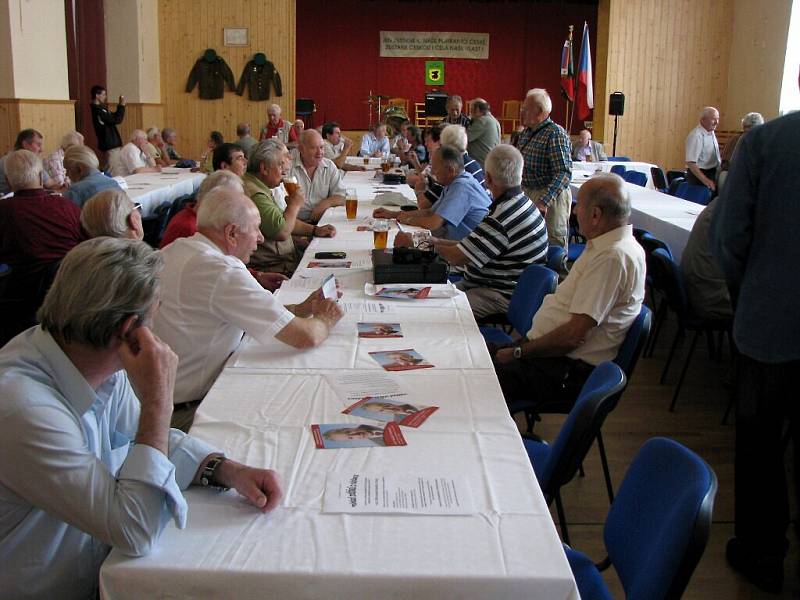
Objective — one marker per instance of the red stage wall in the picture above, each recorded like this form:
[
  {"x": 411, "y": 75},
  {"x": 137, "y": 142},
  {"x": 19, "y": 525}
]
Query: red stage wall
[{"x": 338, "y": 50}]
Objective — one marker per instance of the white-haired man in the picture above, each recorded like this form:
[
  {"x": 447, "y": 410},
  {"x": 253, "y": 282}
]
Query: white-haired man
[
  {"x": 275, "y": 126},
  {"x": 86, "y": 399},
  {"x": 548, "y": 166},
  {"x": 82, "y": 167},
  {"x": 209, "y": 299},
  {"x": 133, "y": 157},
  {"x": 454, "y": 116},
  {"x": 375, "y": 143},
  {"x": 484, "y": 130},
  {"x": 702, "y": 150},
  {"x": 54, "y": 163},
  {"x": 587, "y": 150},
  {"x": 586, "y": 320},
  {"x": 512, "y": 236},
  {"x": 750, "y": 120},
  {"x": 112, "y": 213},
  {"x": 319, "y": 178},
  {"x": 157, "y": 148}
]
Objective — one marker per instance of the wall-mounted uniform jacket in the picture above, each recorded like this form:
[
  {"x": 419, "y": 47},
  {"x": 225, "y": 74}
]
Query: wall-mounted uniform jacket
[
  {"x": 259, "y": 74},
  {"x": 212, "y": 72}
]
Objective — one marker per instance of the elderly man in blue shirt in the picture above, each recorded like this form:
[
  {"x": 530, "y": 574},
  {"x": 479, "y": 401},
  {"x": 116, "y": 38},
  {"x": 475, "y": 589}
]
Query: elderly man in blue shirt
[
  {"x": 375, "y": 144},
  {"x": 89, "y": 460},
  {"x": 463, "y": 203},
  {"x": 82, "y": 167}
]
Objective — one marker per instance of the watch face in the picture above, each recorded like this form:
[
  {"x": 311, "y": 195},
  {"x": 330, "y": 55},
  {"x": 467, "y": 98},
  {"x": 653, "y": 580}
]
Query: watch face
[{"x": 518, "y": 352}]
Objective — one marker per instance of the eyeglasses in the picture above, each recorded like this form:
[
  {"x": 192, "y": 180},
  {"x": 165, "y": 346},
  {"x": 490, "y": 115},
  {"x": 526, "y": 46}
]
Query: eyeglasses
[{"x": 137, "y": 206}]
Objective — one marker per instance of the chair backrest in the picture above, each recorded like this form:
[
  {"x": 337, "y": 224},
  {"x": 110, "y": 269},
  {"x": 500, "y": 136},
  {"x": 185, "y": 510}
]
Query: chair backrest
[
  {"x": 674, "y": 174},
  {"x": 659, "y": 179},
  {"x": 635, "y": 177},
  {"x": 672, "y": 190},
  {"x": 618, "y": 170},
  {"x": 631, "y": 348},
  {"x": 534, "y": 284},
  {"x": 555, "y": 257},
  {"x": 596, "y": 400},
  {"x": 668, "y": 278},
  {"x": 650, "y": 242},
  {"x": 658, "y": 525},
  {"x": 178, "y": 204},
  {"x": 511, "y": 109},
  {"x": 155, "y": 224},
  {"x": 620, "y": 158},
  {"x": 699, "y": 194}
]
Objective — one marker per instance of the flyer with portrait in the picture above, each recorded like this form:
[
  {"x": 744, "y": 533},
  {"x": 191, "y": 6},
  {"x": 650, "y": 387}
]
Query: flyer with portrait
[
  {"x": 356, "y": 435},
  {"x": 379, "y": 330},
  {"x": 395, "y": 410},
  {"x": 400, "y": 360},
  {"x": 404, "y": 293},
  {"x": 329, "y": 264}
]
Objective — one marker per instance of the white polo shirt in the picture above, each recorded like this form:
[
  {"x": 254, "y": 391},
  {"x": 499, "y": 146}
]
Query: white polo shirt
[
  {"x": 702, "y": 148},
  {"x": 208, "y": 301},
  {"x": 606, "y": 283},
  {"x": 327, "y": 182},
  {"x": 127, "y": 160}
]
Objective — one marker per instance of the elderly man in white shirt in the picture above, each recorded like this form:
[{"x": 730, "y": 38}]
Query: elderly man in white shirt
[
  {"x": 133, "y": 157},
  {"x": 702, "y": 150},
  {"x": 585, "y": 322},
  {"x": 210, "y": 300},
  {"x": 319, "y": 178},
  {"x": 89, "y": 459}
]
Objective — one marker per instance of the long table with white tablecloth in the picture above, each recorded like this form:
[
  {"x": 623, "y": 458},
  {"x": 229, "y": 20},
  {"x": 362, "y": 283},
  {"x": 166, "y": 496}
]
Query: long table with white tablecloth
[
  {"x": 151, "y": 190},
  {"x": 259, "y": 412}
]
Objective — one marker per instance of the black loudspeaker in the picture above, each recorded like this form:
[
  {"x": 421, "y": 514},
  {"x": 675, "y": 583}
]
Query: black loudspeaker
[
  {"x": 616, "y": 104},
  {"x": 435, "y": 104},
  {"x": 304, "y": 106}
]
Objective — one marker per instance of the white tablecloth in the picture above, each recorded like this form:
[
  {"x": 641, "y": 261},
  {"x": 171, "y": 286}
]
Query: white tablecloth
[
  {"x": 581, "y": 171},
  {"x": 259, "y": 412},
  {"x": 151, "y": 190}
]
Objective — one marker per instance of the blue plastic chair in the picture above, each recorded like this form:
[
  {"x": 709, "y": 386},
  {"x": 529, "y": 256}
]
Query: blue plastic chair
[
  {"x": 699, "y": 194},
  {"x": 672, "y": 190},
  {"x": 534, "y": 284},
  {"x": 668, "y": 278},
  {"x": 618, "y": 170},
  {"x": 556, "y": 465},
  {"x": 636, "y": 178},
  {"x": 658, "y": 527},
  {"x": 619, "y": 158},
  {"x": 555, "y": 257}
]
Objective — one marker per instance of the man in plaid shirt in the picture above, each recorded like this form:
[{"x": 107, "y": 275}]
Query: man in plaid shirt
[{"x": 546, "y": 148}]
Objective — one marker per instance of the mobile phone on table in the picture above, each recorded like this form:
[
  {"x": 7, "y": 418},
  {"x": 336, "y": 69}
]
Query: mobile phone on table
[
  {"x": 329, "y": 288},
  {"x": 324, "y": 255}
]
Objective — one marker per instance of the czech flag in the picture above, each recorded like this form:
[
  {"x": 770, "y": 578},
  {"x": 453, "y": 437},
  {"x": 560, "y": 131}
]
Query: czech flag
[
  {"x": 567, "y": 72},
  {"x": 584, "y": 97}
]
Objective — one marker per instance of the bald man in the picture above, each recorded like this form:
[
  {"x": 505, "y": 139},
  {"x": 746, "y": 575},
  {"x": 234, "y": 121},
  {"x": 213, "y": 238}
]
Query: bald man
[
  {"x": 133, "y": 157},
  {"x": 319, "y": 178},
  {"x": 702, "y": 150}
]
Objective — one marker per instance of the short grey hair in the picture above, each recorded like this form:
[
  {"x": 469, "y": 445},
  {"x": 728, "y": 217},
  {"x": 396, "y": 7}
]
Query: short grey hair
[
  {"x": 269, "y": 152},
  {"x": 452, "y": 158},
  {"x": 607, "y": 191},
  {"x": 23, "y": 170},
  {"x": 106, "y": 214},
  {"x": 707, "y": 111},
  {"x": 71, "y": 138},
  {"x": 243, "y": 129},
  {"x": 222, "y": 206},
  {"x": 541, "y": 99},
  {"x": 455, "y": 98},
  {"x": 275, "y": 108},
  {"x": 80, "y": 155},
  {"x": 100, "y": 283},
  {"x": 152, "y": 132},
  {"x": 166, "y": 132},
  {"x": 221, "y": 178},
  {"x": 454, "y": 135},
  {"x": 752, "y": 119},
  {"x": 504, "y": 163},
  {"x": 481, "y": 104},
  {"x": 138, "y": 134}
]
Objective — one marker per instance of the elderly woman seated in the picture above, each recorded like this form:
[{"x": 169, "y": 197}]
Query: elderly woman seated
[{"x": 112, "y": 213}]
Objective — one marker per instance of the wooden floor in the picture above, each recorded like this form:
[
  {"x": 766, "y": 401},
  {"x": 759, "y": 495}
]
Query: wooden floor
[{"x": 696, "y": 423}]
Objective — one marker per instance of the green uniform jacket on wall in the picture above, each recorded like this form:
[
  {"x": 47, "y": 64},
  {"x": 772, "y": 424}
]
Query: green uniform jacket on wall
[{"x": 259, "y": 74}]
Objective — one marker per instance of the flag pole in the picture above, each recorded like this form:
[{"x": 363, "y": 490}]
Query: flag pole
[{"x": 567, "y": 115}]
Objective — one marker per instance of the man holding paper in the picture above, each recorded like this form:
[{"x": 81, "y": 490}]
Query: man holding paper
[
  {"x": 209, "y": 300},
  {"x": 512, "y": 236}
]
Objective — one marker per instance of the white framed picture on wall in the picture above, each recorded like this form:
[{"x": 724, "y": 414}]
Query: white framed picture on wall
[{"x": 235, "y": 36}]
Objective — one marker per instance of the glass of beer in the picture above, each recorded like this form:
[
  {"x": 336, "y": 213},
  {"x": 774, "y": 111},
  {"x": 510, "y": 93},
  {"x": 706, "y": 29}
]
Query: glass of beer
[
  {"x": 366, "y": 161},
  {"x": 351, "y": 203},
  {"x": 291, "y": 185},
  {"x": 380, "y": 233},
  {"x": 386, "y": 164}
]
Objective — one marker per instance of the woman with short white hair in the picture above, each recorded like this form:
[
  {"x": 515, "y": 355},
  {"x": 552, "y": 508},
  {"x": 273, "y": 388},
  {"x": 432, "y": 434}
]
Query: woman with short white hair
[{"x": 54, "y": 164}]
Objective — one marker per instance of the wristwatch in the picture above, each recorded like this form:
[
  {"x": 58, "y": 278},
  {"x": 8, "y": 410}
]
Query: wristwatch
[
  {"x": 517, "y": 351},
  {"x": 207, "y": 477}
]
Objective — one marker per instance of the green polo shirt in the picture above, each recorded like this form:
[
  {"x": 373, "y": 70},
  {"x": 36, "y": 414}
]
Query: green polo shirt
[{"x": 272, "y": 219}]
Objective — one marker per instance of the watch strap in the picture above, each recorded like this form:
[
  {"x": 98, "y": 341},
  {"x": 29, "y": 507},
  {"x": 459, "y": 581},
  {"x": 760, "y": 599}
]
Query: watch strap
[{"x": 208, "y": 478}]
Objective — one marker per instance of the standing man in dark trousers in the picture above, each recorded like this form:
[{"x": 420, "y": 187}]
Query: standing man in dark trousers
[
  {"x": 755, "y": 242},
  {"x": 105, "y": 122}
]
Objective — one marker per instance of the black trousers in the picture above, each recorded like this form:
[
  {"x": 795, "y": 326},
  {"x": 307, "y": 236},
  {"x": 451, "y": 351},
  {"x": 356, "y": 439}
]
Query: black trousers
[
  {"x": 542, "y": 384},
  {"x": 710, "y": 173},
  {"x": 767, "y": 399}
]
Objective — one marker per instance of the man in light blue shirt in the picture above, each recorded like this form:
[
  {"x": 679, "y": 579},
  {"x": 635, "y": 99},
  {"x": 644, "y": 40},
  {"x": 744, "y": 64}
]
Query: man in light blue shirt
[
  {"x": 463, "y": 203},
  {"x": 375, "y": 144},
  {"x": 89, "y": 461},
  {"x": 82, "y": 166}
]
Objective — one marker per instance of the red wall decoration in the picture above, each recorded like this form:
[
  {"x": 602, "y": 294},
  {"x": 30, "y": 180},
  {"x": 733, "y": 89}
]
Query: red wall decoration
[{"x": 338, "y": 51}]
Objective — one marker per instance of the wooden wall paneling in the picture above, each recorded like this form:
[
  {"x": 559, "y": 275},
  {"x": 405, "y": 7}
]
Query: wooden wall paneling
[
  {"x": 9, "y": 124},
  {"x": 670, "y": 59},
  {"x": 271, "y": 29},
  {"x": 53, "y": 118}
]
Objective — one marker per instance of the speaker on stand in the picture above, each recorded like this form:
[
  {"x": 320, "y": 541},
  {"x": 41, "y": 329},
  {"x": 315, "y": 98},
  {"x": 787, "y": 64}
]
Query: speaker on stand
[{"x": 616, "y": 107}]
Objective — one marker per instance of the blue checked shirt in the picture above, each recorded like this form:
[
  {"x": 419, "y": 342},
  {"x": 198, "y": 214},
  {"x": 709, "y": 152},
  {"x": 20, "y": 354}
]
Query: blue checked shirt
[{"x": 546, "y": 151}]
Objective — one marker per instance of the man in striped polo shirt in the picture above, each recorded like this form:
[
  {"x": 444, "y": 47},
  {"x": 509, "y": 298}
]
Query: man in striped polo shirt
[{"x": 512, "y": 236}]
